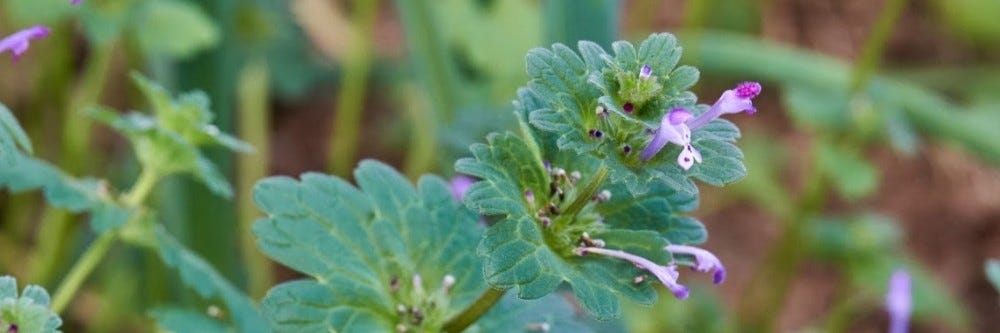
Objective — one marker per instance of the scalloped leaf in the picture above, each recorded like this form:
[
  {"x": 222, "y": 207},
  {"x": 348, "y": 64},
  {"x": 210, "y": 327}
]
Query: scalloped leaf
[
  {"x": 508, "y": 168},
  {"x": 517, "y": 256},
  {"x": 27, "y": 312},
  {"x": 199, "y": 275},
  {"x": 173, "y": 319},
  {"x": 12, "y": 137},
  {"x": 75, "y": 195},
  {"x": 552, "y": 314},
  {"x": 362, "y": 248}
]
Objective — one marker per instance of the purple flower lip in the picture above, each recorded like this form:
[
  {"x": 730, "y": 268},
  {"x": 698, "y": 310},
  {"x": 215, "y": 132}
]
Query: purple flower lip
[
  {"x": 645, "y": 72},
  {"x": 704, "y": 261},
  {"x": 899, "y": 301},
  {"x": 666, "y": 274},
  {"x": 674, "y": 130},
  {"x": 17, "y": 43},
  {"x": 736, "y": 100}
]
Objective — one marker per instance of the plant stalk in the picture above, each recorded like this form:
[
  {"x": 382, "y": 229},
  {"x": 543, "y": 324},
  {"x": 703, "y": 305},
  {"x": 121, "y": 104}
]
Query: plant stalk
[
  {"x": 254, "y": 128},
  {"x": 99, "y": 248},
  {"x": 477, "y": 309},
  {"x": 871, "y": 55},
  {"x": 351, "y": 97}
]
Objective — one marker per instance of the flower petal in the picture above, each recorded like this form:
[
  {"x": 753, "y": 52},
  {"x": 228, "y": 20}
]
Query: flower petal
[{"x": 17, "y": 43}]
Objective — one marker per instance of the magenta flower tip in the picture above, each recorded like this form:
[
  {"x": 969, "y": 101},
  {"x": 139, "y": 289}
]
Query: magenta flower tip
[
  {"x": 681, "y": 292},
  {"x": 645, "y": 72},
  {"x": 719, "y": 276},
  {"x": 748, "y": 89}
]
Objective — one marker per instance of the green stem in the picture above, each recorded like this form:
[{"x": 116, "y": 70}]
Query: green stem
[
  {"x": 350, "y": 99},
  {"x": 421, "y": 154},
  {"x": 83, "y": 267},
  {"x": 769, "y": 286},
  {"x": 99, "y": 248},
  {"x": 429, "y": 56},
  {"x": 586, "y": 194},
  {"x": 477, "y": 309},
  {"x": 57, "y": 225},
  {"x": 253, "y": 127},
  {"x": 875, "y": 45}
]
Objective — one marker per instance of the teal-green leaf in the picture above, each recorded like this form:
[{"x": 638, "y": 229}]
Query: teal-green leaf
[
  {"x": 179, "y": 320},
  {"x": 552, "y": 314},
  {"x": 851, "y": 175},
  {"x": 12, "y": 136},
  {"x": 174, "y": 28},
  {"x": 361, "y": 248},
  {"x": 992, "y": 269},
  {"x": 199, "y": 275},
  {"x": 508, "y": 169},
  {"x": 29, "y": 311}
]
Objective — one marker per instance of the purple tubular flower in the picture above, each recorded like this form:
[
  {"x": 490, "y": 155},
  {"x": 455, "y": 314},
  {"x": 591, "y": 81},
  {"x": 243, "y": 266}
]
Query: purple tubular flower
[
  {"x": 899, "y": 301},
  {"x": 673, "y": 128},
  {"x": 459, "y": 185},
  {"x": 17, "y": 43},
  {"x": 704, "y": 261},
  {"x": 75, "y": 2},
  {"x": 645, "y": 72},
  {"x": 666, "y": 274},
  {"x": 734, "y": 100}
]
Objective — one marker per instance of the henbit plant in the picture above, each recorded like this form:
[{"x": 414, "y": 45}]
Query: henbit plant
[
  {"x": 167, "y": 142},
  {"x": 586, "y": 193}
]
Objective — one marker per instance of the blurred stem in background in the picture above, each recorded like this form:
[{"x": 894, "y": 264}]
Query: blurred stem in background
[
  {"x": 562, "y": 19},
  {"x": 766, "y": 294},
  {"x": 254, "y": 104},
  {"x": 435, "y": 73},
  {"x": 421, "y": 154},
  {"x": 351, "y": 96},
  {"x": 57, "y": 224}
]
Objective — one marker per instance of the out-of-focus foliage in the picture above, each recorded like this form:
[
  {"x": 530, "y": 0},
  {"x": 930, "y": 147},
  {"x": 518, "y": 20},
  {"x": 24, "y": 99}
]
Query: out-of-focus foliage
[{"x": 27, "y": 312}]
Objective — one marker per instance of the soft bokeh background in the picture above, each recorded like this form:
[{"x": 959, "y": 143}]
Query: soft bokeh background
[{"x": 875, "y": 147}]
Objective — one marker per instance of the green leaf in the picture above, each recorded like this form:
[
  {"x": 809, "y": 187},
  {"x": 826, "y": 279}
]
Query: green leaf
[
  {"x": 170, "y": 142},
  {"x": 508, "y": 169},
  {"x": 851, "y": 175},
  {"x": 992, "y": 268},
  {"x": 548, "y": 314},
  {"x": 106, "y": 21},
  {"x": 199, "y": 275},
  {"x": 174, "y": 28},
  {"x": 661, "y": 209},
  {"x": 518, "y": 256},
  {"x": 178, "y": 320},
  {"x": 12, "y": 136},
  {"x": 362, "y": 248},
  {"x": 29, "y": 312},
  {"x": 48, "y": 12}
]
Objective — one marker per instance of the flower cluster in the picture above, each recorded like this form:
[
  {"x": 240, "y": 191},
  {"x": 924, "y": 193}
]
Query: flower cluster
[
  {"x": 17, "y": 43},
  {"x": 676, "y": 125}
]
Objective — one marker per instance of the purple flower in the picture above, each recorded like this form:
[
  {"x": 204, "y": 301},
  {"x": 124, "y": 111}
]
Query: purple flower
[
  {"x": 459, "y": 185},
  {"x": 17, "y": 43},
  {"x": 734, "y": 100},
  {"x": 704, "y": 261},
  {"x": 666, "y": 274},
  {"x": 645, "y": 72},
  {"x": 899, "y": 301},
  {"x": 75, "y": 2},
  {"x": 673, "y": 129}
]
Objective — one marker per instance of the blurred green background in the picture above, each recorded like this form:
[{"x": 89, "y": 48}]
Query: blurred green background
[{"x": 875, "y": 147}]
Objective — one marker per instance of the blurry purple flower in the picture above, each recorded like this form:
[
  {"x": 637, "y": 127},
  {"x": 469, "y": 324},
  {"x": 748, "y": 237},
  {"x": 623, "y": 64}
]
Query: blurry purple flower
[
  {"x": 666, "y": 274},
  {"x": 17, "y": 43},
  {"x": 645, "y": 72},
  {"x": 75, "y": 2},
  {"x": 899, "y": 301},
  {"x": 734, "y": 100},
  {"x": 704, "y": 261},
  {"x": 461, "y": 184},
  {"x": 673, "y": 129}
]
